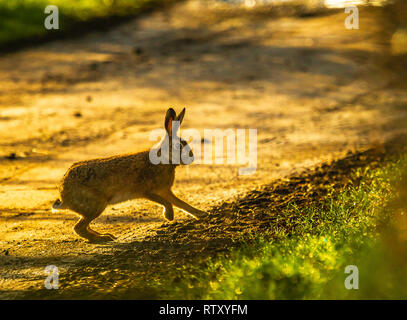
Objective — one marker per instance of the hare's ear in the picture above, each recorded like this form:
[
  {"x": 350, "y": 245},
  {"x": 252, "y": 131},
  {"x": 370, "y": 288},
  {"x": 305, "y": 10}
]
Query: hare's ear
[
  {"x": 169, "y": 118},
  {"x": 180, "y": 117}
]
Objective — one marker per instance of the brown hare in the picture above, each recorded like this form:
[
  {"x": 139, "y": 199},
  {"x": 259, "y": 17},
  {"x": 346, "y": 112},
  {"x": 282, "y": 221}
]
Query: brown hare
[{"x": 89, "y": 186}]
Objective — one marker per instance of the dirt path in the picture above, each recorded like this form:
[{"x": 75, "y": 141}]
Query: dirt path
[{"x": 311, "y": 88}]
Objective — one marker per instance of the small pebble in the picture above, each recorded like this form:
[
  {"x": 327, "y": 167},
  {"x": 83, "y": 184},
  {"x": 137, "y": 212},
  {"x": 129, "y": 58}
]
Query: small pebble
[
  {"x": 12, "y": 156},
  {"x": 138, "y": 51}
]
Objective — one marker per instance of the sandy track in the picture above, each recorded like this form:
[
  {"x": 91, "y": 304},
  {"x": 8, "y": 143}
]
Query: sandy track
[{"x": 311, "y": 88}]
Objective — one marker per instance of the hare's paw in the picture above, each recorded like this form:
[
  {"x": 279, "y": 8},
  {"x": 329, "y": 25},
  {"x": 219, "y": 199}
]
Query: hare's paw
[
  {"x": 102, "y": 238},
  {"x": 200, "y": 214},
  {"x": 109, "y": 235}
]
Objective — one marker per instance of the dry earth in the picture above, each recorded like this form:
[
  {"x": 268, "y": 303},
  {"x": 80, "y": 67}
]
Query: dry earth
[{"x": 313, "y": 90}]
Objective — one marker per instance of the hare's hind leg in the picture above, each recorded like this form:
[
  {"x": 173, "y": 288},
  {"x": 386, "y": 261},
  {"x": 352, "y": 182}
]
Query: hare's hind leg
[
  {"x": 89, "y": 207},
  {"x": 196, "y": 213},
  {"x": 168, "y": 210},
  {"x": 82, "y": 229}
]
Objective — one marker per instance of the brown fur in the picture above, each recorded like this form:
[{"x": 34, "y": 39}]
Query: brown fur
[{"x": 89, "y": 186}]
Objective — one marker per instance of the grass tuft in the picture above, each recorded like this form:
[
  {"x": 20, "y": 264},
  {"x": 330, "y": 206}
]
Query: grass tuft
[{"x": 23, "y": 20}]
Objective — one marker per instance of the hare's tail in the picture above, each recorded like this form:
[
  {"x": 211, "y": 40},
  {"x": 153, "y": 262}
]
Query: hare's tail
[{"x": 58, "y": 204}]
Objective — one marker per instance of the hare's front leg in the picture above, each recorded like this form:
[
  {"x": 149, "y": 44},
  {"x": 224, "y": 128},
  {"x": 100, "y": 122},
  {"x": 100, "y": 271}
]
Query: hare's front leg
[
  {"x": 196, "y": 213},
  {"x": 168, "y": 210}
]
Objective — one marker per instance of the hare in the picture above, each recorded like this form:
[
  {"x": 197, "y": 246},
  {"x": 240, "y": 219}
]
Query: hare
[{"x": 89, "y": 186}]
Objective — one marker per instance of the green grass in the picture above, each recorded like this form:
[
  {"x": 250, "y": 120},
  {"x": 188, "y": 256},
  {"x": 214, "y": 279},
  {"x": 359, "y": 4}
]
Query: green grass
[
  {"x": 24, "y": 19},
  {"x": 306, "y": 258}
]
